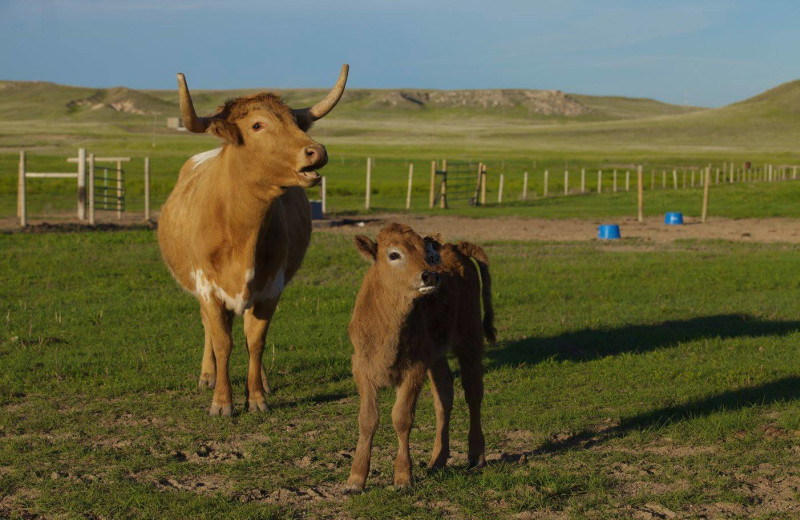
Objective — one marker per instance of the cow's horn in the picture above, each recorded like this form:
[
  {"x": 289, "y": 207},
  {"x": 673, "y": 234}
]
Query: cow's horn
[
  {"x": 190, "y": 119},
  {"x": 319, "y": 110}
]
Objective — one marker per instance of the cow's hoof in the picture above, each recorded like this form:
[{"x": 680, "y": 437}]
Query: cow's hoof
[
  {"x": 224, "y": 410},
  {"x": 207, "y": 381},
  {"x": 353, "y": 489},
  {"x": 257, "y": 406}
]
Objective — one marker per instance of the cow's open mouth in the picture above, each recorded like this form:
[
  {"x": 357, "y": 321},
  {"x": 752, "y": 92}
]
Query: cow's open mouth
[{"x": 309, "y": 175}]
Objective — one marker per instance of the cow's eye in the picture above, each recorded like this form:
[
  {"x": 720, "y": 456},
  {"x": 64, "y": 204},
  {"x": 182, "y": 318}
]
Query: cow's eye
[
  {"x": 257, "y": 127},
  {"x": 394, "y": 255}
]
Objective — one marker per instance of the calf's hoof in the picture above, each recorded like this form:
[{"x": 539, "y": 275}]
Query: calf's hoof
[
  {"x": 476, "y": 461},
  {"x": 254, "y": 405},
  {"x": 402, "y": 482},
  {"x": 207, "y": 381},
  {"x": 224, "y": 409}
]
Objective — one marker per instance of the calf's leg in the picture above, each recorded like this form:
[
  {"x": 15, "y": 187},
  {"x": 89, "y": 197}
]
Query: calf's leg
[
  {"x": 472, "y": 380},
  {"x": 442, "y": 389},
  {"x": 368, "y": 416},
  {"x": 218, "y": 320},
  {"x": 403, "y": 419}
]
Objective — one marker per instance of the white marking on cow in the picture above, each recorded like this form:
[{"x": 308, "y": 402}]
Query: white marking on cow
[
  {"x": 204, "y": 156},
  {"x": 271, "y": 291},
  {"x": 205, "y": 288}
]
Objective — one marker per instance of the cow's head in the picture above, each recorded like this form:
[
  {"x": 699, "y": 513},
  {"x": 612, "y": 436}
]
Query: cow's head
[
  {"x": 399, "y": 260},
  {"x": 268, "y": 138}
]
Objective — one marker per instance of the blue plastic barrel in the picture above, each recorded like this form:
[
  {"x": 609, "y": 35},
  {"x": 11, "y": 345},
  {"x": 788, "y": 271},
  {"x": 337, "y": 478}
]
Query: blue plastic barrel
[
  {"x": 673, "y": 218},
  {"x": 608, "y": 232}
]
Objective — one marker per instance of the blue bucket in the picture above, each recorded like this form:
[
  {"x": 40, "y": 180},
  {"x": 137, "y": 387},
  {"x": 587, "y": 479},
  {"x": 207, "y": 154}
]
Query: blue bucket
[
  {"x": 608, "y": 232},
  {"x": 673, "y": 218}
]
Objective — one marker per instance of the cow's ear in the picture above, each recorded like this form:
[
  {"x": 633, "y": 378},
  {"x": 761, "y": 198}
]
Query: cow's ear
[
  {"x": 367, "y": 248},
  {"x": 226, "y": 131}
]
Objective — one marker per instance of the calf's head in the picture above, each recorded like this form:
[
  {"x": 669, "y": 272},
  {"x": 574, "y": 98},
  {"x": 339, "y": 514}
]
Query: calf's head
[
  {"x": 268, "y": 137},
  {"x": 398, "y": 260}
]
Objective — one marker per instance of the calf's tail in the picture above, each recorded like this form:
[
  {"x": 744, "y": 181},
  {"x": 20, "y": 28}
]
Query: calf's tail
[{"x": 475, "y": 251}]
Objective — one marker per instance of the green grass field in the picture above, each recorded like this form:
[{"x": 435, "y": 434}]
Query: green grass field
[{"x": 629, "y": 380}]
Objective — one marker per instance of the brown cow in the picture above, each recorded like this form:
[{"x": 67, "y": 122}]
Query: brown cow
[
  {"x": 419, "y": 299},
  {"x": 237, "y": 224}
]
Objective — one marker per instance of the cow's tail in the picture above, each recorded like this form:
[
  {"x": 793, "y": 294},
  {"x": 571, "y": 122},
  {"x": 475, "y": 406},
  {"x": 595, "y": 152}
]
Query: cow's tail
[{"x": 475, "y": 251}]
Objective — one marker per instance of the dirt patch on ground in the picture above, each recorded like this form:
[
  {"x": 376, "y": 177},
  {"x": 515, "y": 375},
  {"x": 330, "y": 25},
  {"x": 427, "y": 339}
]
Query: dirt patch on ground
[
  {"x": 652, "y": 230},
  {"x": 516, "y": 228}
]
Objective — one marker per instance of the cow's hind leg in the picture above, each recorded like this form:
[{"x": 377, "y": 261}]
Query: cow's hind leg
[
  {"x": 208, "y": 369},
  {"x": 403, "y": 419},
  {"x": 442, "y": 389},
  {"x": 256, "y": 324},
  {"x": 368, "y": 416},
  {"x": 218, "y": 322},
  {"x": 471, "y": 363}
]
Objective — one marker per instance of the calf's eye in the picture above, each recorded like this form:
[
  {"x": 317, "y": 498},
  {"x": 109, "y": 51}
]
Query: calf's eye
[
  {"x": 394, "y": 255},
  {"x": 257, "y": 126}
]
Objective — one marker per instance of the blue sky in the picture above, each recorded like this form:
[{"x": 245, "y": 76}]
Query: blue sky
[{"x": 706, "y": 52}]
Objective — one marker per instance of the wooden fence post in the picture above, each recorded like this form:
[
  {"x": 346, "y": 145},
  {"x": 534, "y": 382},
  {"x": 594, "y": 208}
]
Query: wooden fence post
[
  {"x": 546, "y": 174},
  {"x": 525, "y": 187},
  {"x": 674, "y": 179},
  {"x": 706, "y": 182},
  {"x": 443, "y": 194},
  {"x": 22, "y": 203},
  {"x": 369, "y": 180},
  {"x": 147, "y": 188},
  {"x": 410, "y": 180},
  {"x": 433, "y": 184},
  {"x": 500, "y": 191},
  {"x": 692, "y": 178},
  {"x": 583, "y": 180},
  {"x": 81, "y": 184},
  {"x": 615, "y": 181},
  {"x": 566, "y": 182},
  {"x": 119, "y": 190},
  {"x": 324, "y": 195},
  {"x": 640, "y": 175},
  {"x": 627, "y": 180},
  {"x": 717, "y": 176},
  {"x": 794, "y": 173},
  {"x": 483, "y": 184},
  {"x": 599, "y": 181},
  {"x": 91, "y": 189}
]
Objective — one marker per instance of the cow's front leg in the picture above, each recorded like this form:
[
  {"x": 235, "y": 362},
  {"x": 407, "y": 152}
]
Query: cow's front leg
[
  {"x": 403, "y": 419},
  {"x": 208, "y": 369},
  {"x": 256, "y": 324},
  {"x": 218, "y": 325}
]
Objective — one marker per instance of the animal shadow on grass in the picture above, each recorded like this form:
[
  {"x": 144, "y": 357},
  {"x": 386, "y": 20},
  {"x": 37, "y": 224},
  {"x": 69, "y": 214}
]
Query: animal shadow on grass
[
  {"x": 781, "y": 390},
  {"x": 591, "y": 344}
]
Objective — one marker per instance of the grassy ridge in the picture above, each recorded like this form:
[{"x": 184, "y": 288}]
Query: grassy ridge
[{"x": 624, "y": 377}]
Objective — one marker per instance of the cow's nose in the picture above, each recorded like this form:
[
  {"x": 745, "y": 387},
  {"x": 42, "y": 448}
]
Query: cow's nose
[{"x": 315, "y": 155}]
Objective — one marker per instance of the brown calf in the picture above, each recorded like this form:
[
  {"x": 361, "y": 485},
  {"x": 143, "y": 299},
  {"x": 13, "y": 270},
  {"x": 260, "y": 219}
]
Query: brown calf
[{"x": 419, "y": 299}]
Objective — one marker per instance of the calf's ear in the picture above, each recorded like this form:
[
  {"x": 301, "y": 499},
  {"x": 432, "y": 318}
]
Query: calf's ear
[{"x": 367, "y": 248}]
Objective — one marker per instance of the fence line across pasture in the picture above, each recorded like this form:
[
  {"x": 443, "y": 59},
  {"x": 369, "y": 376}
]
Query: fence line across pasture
[{"x": 457, "y": 182}]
